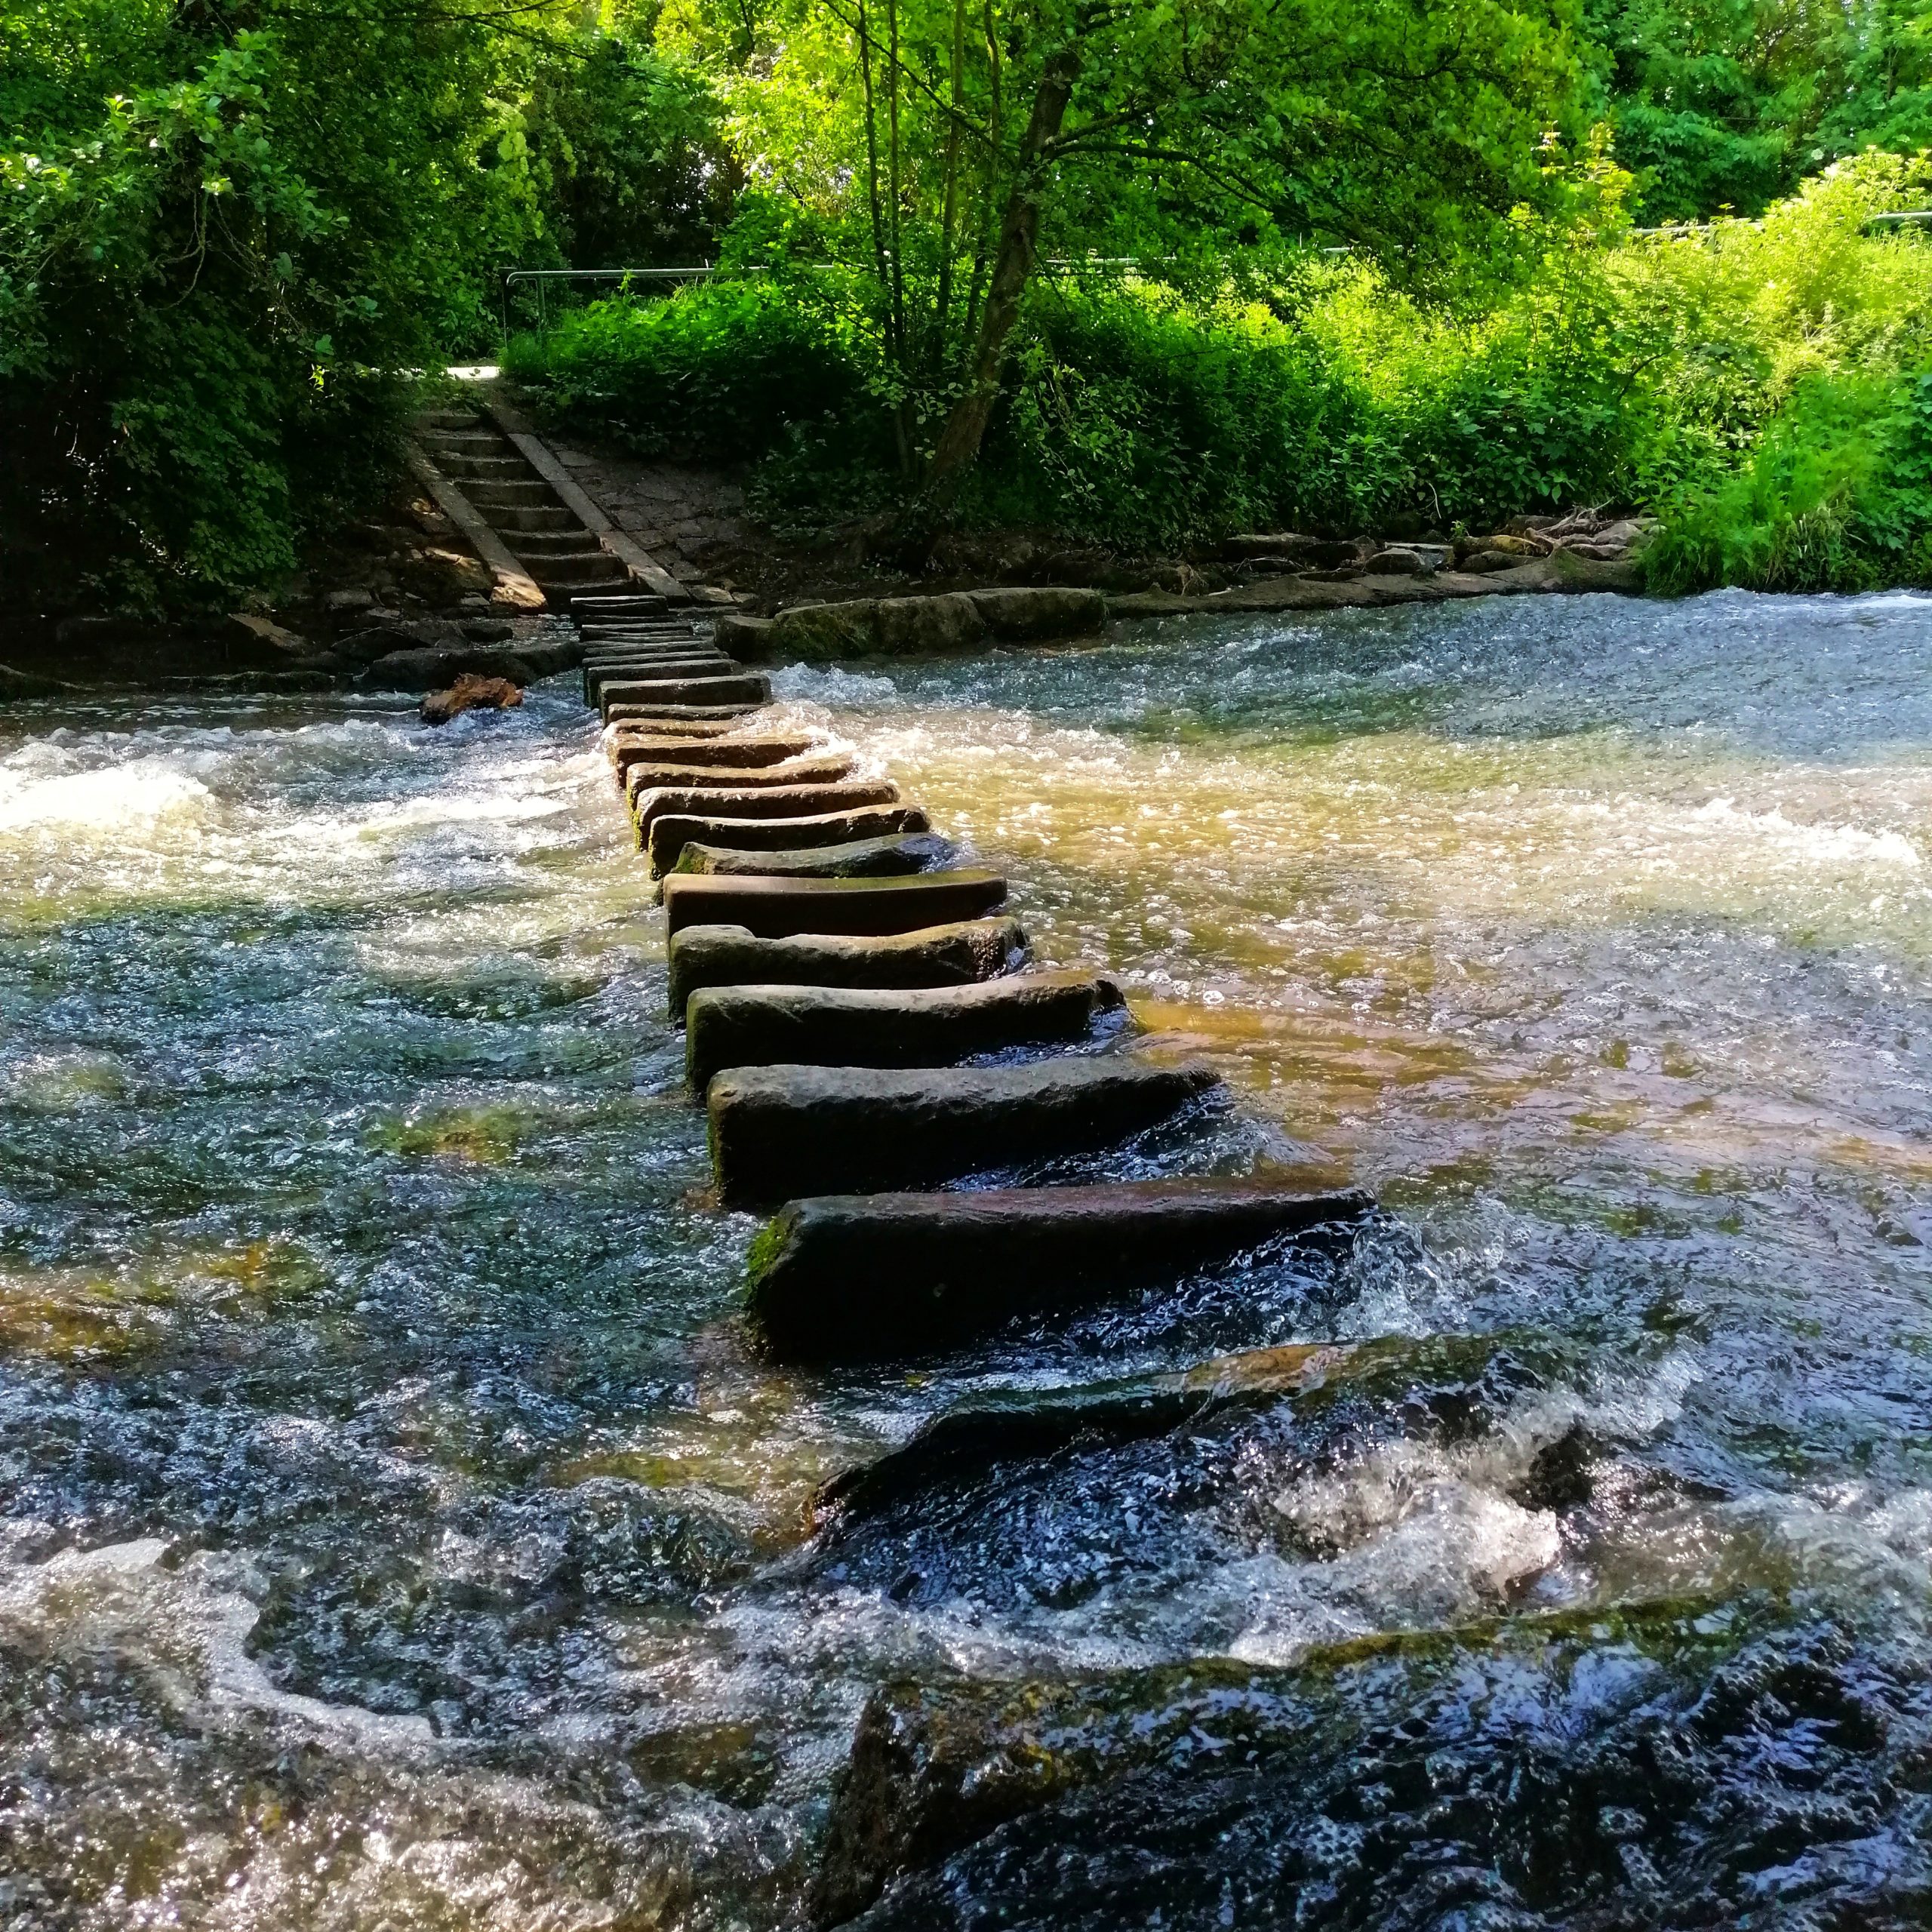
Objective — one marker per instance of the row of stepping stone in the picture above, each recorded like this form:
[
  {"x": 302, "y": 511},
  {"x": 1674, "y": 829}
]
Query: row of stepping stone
[{"x": 833, "y": 964}]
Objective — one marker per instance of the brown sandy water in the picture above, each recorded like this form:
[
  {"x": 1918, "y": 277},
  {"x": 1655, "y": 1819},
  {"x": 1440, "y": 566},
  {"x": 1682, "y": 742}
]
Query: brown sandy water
[{"x": 401, "y": 1530}]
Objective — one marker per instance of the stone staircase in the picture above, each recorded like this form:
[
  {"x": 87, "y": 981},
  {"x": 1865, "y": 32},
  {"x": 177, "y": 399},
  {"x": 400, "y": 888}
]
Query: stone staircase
[{"x": 546, "y": 538}]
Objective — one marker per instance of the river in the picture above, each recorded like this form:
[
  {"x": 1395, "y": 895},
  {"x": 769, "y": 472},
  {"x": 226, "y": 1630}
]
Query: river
[{"x": 401, "y": 1531}]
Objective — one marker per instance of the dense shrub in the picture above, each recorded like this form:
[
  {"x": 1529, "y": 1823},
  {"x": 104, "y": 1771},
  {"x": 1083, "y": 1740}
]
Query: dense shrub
[
  {"x": 1756, "y": 383},
  {"x": 729, "y": 367}
]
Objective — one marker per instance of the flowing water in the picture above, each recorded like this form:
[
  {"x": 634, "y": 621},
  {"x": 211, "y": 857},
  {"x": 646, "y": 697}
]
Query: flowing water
[{"x": 401, "y": 1529}]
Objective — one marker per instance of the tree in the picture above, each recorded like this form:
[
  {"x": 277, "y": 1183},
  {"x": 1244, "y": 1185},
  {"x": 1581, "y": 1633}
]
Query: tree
[{"x": 944, "y": 147}]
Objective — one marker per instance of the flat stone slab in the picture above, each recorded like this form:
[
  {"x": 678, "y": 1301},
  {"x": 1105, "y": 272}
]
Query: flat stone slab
[
  {"x": 778, "y": 1133},
  {"x": 776, "y": 908},
  {"x": 888, "y": 857},
  {"x": 670, "y": 834},
  {"x": 689, "y": 665},
  {"x": 744, "y": 688},
  {"x": 750, "y": 1025},
  {"x": 628, "y": 747},
  {"x": 734, "y": 800},
  {"x": 850, "y": 1277},
  {"x": 826, "y": 768},
  {"x": 697, "y": 719},
  {"x": 944, "y": 955}
]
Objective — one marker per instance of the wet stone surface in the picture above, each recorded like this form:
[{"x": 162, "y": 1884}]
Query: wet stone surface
[{"x": 400, "y": 1524}]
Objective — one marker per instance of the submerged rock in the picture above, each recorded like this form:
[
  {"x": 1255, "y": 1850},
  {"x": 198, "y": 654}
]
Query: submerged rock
[
  {"x": 1512, "y": 1765},
  {"x": 949, "y": 955}
]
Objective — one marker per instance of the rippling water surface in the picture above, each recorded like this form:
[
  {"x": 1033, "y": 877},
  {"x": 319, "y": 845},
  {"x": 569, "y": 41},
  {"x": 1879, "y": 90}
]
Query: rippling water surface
[{"x": 400, "y": 1531}]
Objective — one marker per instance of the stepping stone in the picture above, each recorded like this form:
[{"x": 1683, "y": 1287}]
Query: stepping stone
[
  {"x": 750, "y": 1025},
  {"x": 856, "y": 858},
  {"x": 945, "y": 955},
  {"x": 596, "y": 676},
  {"x": 606, "y": 659},
  {"x": 826, "y": 768},
  {"x": 603, "y": 656},
  {"x": 628, "y": 747},
  {"x": 745, "y": 688},
  {"x": 670, "y": 833},
  {"x": 775, "y": 908},
  {"x": 698, "y": 719},
  {"x": 638, "y": 604},
  {"x": 781, "y": 1132},
  {"x": 732, "y": 801},
  {"x": 849, "y": 1277}
]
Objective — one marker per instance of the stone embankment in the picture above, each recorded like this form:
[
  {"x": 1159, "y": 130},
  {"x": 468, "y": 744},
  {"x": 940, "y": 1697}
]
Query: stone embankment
[
  {"x": 1285, "y": 571},
  {"x": 866, "y": 1031}
]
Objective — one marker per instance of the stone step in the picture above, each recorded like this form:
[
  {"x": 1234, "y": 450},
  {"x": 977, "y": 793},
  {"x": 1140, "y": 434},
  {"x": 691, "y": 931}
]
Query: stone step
[
  {"x": 630, "y": 604},
  {"x": 566, "y": 573},
  {"x": 647, "y": 649},
  {"x": 777, "y": 908},
  {"x": 716, "y": 799},
  {"x": 661, "y": 623},
  {"x": 476, "y": 440},
  {"x": 884, "y": 857},
  {"x": 683, "y": 725},
  {"x": 613, "y": 659},
  {"x": 680, "y": 716},
  {"x": 514, "y": 519},
  {"x": 685, "y": 665},
  {"x": 449, "y": 419},
  {"x": 672, "y": 832},
  {"x": 956, "y": 954},
  {"x": 510, "y": 468},
  {"x": 820, "y": 768},
  {"x": 633, "y": 637},
  {"x": 848, "y": 1277},
  {"x": 781, "y": 1132},
  {"x": 807, "y": 1026},
  {"x": 628, "y": 747},
  {"x": 572, "y": 539},
  {"x": 524, "y": 492},
  {"x": 743, "y": 688}
]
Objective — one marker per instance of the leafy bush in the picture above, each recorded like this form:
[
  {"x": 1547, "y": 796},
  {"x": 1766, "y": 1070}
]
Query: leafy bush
[
  {"x": 1755, "y": 383},
  {"x": 729, "y": 367}
]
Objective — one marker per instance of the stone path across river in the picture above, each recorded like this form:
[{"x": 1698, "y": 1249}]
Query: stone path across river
[
  {"x": 837, "y": 963},
  {"x": 867, "y": 1032}
]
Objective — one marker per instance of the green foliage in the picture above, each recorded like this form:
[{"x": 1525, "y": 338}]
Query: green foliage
[
  {"x": 225, "y": 237},
  {"x": 1726, "y": 104},
  {"x": 624, "y": 144},
  {"x": 1750, "y": 382},
  {"x": 725, "y": 367}
]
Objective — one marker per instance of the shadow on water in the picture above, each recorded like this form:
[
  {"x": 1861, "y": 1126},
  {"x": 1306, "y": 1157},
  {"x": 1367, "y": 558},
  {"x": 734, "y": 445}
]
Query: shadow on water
[{"x": 402, "y": 1528}]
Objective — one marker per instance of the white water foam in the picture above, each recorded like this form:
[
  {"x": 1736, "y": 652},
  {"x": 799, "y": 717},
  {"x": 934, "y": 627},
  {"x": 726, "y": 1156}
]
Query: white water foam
[
  {"x": 107, "y": 799},
  {"x": 1819, "y": 845}
]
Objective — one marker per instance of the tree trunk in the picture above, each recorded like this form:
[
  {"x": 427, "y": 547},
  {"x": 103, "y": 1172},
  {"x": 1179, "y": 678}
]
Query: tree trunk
[{"x": 1012, "y": 264}]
